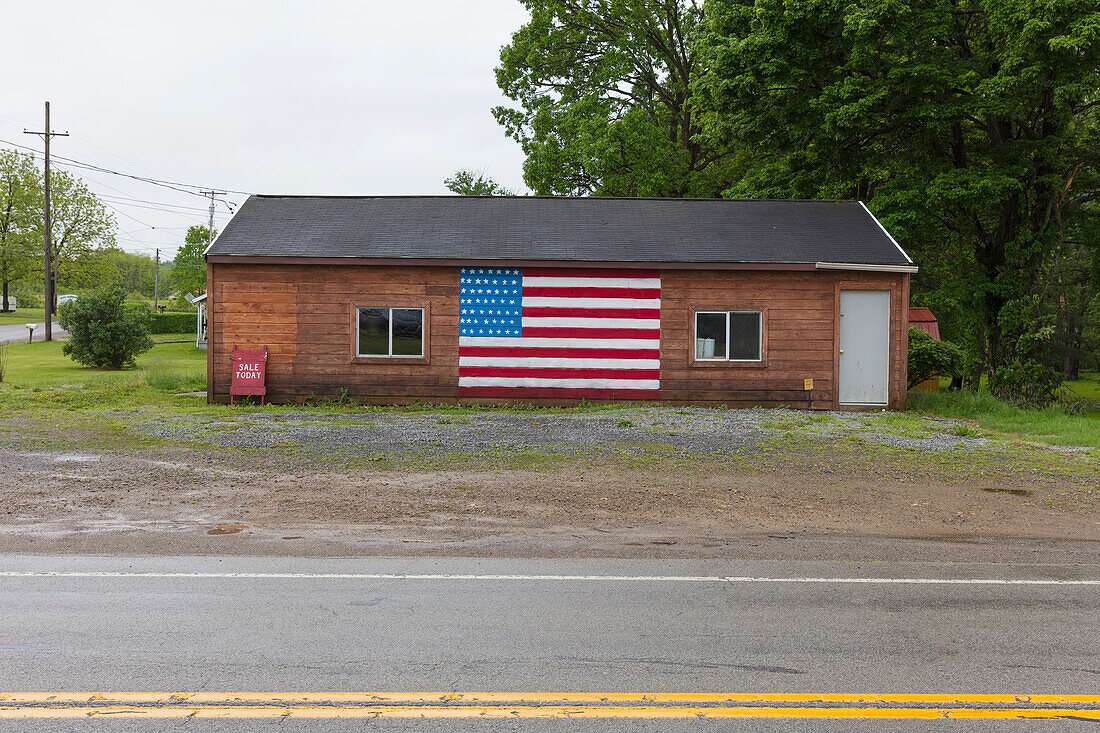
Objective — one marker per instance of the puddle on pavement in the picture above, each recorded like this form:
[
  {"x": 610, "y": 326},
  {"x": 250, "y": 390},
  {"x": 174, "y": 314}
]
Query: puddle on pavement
[
  {"x": 227, "y": 529},
  {"x": 1013, "y": 492}
]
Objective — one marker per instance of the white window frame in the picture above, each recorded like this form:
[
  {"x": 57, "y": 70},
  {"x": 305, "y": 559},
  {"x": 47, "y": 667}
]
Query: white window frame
[
  {"x": 389, "y": 321},
  {"x": 759, "y": 335}
]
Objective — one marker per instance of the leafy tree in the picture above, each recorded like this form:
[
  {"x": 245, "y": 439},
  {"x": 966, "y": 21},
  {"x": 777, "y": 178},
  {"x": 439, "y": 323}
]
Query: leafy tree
[
  {"x": 1071, "y": 290},
  {"x": 79, "y": 223},
  {"x": 969, "y": 126},
  {"x": 605, "y": 100},
  {"x": 189, "y": 267},
  {"x": 475, "y": 183},
  {"x": 97, "y": 267},
  {"x": 18, "y": 186},
  {"x": 103, "y": 331}
]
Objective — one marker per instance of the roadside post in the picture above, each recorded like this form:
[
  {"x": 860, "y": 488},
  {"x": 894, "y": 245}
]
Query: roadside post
[
  {"x": 249, "y": 373},
  {"x": 30, "y": 332}
]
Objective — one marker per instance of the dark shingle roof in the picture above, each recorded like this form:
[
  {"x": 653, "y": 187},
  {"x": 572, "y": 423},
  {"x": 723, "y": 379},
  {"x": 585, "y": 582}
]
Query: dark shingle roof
[{"x": 558, "y": 229}]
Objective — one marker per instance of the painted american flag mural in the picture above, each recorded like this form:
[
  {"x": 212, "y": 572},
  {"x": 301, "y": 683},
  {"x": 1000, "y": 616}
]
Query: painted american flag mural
[{"x": 559, "y": 332}]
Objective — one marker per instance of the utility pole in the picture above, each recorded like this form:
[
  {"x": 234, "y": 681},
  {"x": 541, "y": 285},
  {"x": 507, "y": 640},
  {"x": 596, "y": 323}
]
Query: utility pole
[
  {"x": 46, "y": 134},
  {"x": 210, "y": 230},
  {"x": 156, "y": 283}
]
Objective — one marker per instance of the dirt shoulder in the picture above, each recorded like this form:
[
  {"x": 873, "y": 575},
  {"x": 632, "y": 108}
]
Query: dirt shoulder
[{"x": 639, "y": 482}]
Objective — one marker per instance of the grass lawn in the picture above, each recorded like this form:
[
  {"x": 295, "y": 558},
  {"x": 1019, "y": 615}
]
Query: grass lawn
[
  {"x": 1051, "y": 425},
  {"x": 167, "y": 367},
  {"x": 23, "y": 315},
  {"x": 1087, "y": 388}
]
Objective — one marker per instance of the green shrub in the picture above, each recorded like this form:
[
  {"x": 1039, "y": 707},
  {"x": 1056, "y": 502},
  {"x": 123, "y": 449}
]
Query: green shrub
[
  {"x": 104, "y": 332},
  {"x": 172, "y": 323},
  {"x": 929, "y": 357},
  {"x": 1026, "y": 380},
  {"x": 1026, "y": 383}
]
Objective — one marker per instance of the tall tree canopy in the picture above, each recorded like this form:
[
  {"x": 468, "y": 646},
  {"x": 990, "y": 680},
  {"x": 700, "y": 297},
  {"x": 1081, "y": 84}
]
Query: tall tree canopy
[
  {"x": 135, "y": 273},
  {"x": 605, "y": 101},
  {"x": 18, "y": 196},
  {"x": 969, "y": 126},
  {"x": 79, "y": 223},
  {"x": 474, "y": 183},
  {"x": 189, "y": 267}
]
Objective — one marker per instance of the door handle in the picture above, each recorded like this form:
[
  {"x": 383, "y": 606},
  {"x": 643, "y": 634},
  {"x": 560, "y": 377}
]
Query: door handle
[{"x": 842, "y": 351}]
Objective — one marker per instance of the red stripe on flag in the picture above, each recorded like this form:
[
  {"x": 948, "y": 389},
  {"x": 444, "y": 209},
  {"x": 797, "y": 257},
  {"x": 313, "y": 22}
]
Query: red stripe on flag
[
  {"x": 548, "y": 312},
  {"x": 559, "y": 373},
  {"x": 587, "y": 272},
  {"x": 560, "y": 393},
  {"x": 560, "y": 352},
  {"x": 644, "y": 293},
  {"x": 591, "y": 333}
]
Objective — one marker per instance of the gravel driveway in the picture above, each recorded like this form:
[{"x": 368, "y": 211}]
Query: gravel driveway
[{"x": 694, "y": 430}]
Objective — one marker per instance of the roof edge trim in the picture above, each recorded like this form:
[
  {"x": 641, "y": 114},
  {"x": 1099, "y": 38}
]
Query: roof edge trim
[
  {"x": 888, "y": 234},
  {"x": 911, "y": 269},
  {"x": 475, "y": 262}
]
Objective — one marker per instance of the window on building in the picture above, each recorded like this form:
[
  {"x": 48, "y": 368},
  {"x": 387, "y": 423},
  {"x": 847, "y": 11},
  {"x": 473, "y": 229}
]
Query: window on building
[
  {"x": 728, "y": 335},
  {"x": 390, "y": 332}
]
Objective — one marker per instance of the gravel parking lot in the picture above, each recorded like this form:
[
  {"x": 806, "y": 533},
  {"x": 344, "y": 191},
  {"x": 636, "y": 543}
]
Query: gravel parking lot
[{"x": 695, "y": 430}]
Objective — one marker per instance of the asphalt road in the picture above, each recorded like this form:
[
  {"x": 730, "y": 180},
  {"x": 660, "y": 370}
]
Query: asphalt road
[
  {"x": 298, "y": 625},
  {"x": 11, "y": 334}
]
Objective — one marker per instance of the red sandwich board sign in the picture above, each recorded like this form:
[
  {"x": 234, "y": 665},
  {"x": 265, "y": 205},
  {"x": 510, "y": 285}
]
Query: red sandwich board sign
[{"x": 249, "y": 372}]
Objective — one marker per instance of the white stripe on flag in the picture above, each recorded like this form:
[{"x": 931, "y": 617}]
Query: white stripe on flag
[
  {"x": 546, "y": 361},
  {"x": 559, "y": 302},
  {"x": 592, "y": 282},
  {"x": 554, "y": 343},
  {"x": 646, "y": 323},
  {"x": 565, "y": 383}
]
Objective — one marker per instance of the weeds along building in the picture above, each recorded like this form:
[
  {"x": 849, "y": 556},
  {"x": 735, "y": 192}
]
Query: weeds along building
[{"x": 484, "y": 299}]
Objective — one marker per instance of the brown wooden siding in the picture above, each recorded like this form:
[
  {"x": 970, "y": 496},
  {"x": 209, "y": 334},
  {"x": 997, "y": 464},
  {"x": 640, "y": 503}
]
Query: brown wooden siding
[
  {"x": 800, "y": 334},
  {"x": 304, "y": 314}
]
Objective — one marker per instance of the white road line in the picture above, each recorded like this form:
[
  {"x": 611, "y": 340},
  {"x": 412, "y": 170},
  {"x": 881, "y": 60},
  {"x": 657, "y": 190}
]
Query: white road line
[{"x": 521, "y": 577}]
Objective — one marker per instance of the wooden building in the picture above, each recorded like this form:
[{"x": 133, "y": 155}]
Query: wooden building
[
  {"x": 479, "y": 299},
  {"x": 922, "y": 318}
]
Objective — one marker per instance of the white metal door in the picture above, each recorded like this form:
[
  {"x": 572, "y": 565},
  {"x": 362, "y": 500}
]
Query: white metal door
[{"x": 864, "y": 347}]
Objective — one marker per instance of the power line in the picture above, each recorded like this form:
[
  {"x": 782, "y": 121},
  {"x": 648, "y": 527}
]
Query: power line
[
  {"x": 123, "y": 194},
  {"x": 46, "y": 134},
  {"x": 210, "y": 230},
  {"x": 152, "y": 204},
  {"x": 145, "y": 179},
  {"x": 190, "y": 215}
]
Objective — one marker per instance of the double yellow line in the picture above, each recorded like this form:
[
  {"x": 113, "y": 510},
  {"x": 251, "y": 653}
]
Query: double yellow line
[{"x": 158, "y": 705}]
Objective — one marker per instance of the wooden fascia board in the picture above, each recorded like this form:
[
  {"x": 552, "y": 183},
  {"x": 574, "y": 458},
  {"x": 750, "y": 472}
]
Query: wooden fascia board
[{"x": 455, "y": 262}]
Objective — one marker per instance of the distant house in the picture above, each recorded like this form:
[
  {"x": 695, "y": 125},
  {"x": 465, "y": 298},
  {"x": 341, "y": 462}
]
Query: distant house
[{"x": 555, "y": 300}]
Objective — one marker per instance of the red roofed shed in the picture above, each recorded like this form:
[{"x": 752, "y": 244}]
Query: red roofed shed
[{"x": 922, "y": 318}]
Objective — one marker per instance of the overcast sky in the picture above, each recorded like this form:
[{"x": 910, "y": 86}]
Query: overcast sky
[{"x": 267, "y": 97}]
